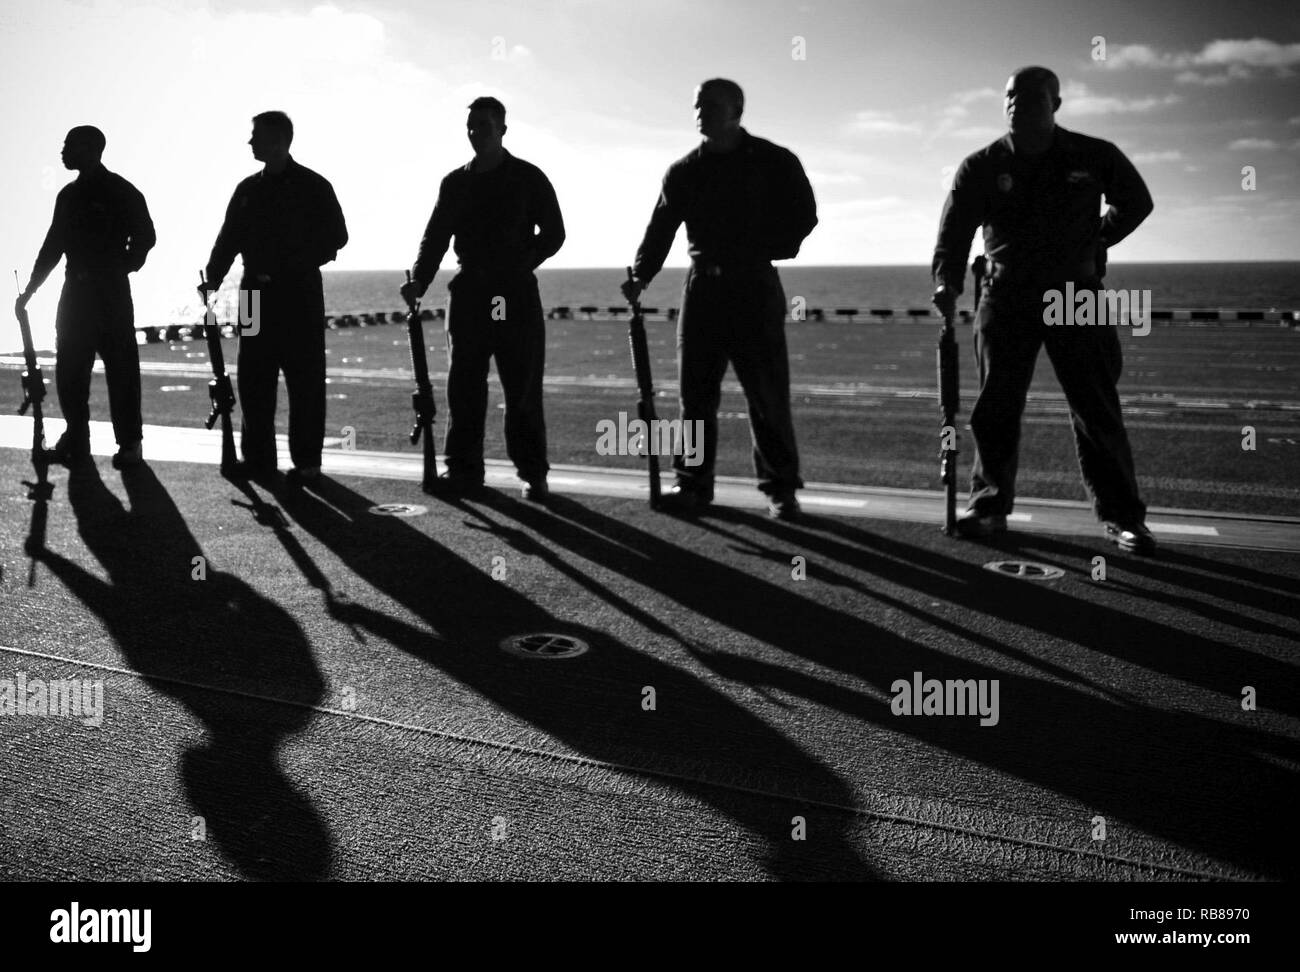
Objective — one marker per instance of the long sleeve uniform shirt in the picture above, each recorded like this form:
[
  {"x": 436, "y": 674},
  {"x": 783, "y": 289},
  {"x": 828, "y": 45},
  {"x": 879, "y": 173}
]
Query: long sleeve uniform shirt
[
  {"x": 1039, "y": 213},
  {"x": 506, "y": 221},
  {"x": 284, "y": 226},
  {"x": 745, "y": 207},
  {"x": 101, "y": 223}
]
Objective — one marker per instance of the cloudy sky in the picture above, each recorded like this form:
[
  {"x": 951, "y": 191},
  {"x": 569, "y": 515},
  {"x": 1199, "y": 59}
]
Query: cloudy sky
[{"x": 886, "y": 98}]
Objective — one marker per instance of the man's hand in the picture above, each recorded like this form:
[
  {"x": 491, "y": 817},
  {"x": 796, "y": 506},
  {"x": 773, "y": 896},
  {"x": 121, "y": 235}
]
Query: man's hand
[
  {"x": 20, "y": 304},
  {"x": 206, "y": 288},
  {"x": 133, "y": 259},
  {"x": 945, "y": 300},
  {"x": 411, "y": 291},
  {"x": 632, "y": 289}
]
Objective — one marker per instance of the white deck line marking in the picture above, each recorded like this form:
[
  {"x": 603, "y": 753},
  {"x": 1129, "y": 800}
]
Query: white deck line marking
[{"x": 1185, "y": 528}]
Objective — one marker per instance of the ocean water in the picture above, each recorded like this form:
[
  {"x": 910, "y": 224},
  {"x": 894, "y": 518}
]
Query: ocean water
[{"x": 1173, "y": 286}]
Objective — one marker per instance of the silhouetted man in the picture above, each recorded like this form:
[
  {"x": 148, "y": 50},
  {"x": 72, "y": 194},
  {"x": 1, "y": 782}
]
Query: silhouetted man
[
  {"x": 286, "y": 223},
  {"x": 745, "y": 202},
  {"x": 1037, "y": 192},
  {"x": 102, "y": 224},
  {"x": 506, "y": 221}
]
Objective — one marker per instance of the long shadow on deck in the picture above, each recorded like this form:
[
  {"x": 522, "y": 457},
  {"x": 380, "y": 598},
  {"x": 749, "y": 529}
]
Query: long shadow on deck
[
  {"x": 1210, "y": 781},
  {"x": 592, "y": 705},
  {"x": 216, "y": 631}
]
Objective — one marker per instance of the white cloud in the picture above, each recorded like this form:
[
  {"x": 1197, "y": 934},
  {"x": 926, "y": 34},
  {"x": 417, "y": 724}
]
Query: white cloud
[
  {"x": 1253, "y": 145},
  {"x": 518, "y": 54},
  {"x": 871, "y": 122},
  {"x": 958, "y": 106},
  {"x": 1077, "y": 99},
  {"x": 1169, "y": 156},
  {"x": 833, "y": 178},
  {"x": 1205, "y": 80},
  {"x": 1240, "y": 59},
  {"x": 976, "y": 133},
  {"x": 1135, "y": 55},
  {"x": 1256, "y": 53}
]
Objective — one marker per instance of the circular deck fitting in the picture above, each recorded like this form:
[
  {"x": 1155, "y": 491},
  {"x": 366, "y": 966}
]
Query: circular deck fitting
[
  {"x": 544, "y": 645},
  {"x": 399, "y": 509},
  {"x": 1025, "y": 569}
]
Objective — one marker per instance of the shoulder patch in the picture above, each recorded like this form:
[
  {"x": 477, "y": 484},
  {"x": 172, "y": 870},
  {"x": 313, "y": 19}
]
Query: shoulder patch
[{"x": 1004, "y": 182}]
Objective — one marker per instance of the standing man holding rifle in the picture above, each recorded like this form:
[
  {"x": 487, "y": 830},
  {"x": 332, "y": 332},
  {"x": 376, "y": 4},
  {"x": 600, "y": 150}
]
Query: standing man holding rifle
[
  {"x": 745, "y": 203},
  {"x": 506, "y": 220},
  {"x": 1037, "y": 192},
  {"x": 286, "y": 223},
  {"x": 102, "y": 224}
]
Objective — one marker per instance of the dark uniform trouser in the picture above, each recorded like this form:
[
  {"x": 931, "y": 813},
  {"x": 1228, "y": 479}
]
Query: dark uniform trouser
[
  {"x": 737, "y": 317},
  {"x": 1088, "y": 363},
  {"x": 290, "y": 337},
  {"x": 96, "y": 316},
  {"x": 517, "y": 339}
]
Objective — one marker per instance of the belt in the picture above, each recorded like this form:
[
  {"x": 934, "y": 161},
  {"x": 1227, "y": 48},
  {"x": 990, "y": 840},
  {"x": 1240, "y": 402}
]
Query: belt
[
  {"x": 997, "y": 271},
  {"x": 709, "y": 268},
  {"x": 97, "y": 274}
]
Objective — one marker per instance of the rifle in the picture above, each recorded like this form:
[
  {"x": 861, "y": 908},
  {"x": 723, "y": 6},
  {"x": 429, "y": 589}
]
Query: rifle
[
  {"x": 948, "y": 402},
  {"x": 977, "y": 269},
  {"x": 422, "y": 398},
  {"x": 41, "y": 490},
  {"x": 220, "y": 392},
  {"x": 645, "y": 406}
]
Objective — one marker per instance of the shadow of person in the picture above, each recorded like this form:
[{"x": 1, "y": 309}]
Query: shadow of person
[
  {"x": 238, "y": 662},
  {"x": 1223, "y": 782},
  {"x": 1191, "y": 582},
  {"x": 697, "y": 741}
]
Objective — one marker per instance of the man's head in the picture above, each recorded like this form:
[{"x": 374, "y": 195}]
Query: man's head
[
  {"x": 485, "y": 125},
  {"x": 719, "y": 104},
  {"x": 83, "y": 147},
  {"x": 1033, "y": 97},
  {"x": 272, "y": 136}
]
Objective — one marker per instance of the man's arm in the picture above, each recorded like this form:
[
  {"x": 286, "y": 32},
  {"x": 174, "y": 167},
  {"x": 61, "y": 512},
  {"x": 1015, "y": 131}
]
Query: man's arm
[
  {"x": 658, "y": 239},
  {"x": 549, "y": 221},
  {"x": 436, "y": 239},
  {"x": 140, "y": 226},
  {"x": 229, "y": 242},
  {"x": 798, "y": 212},
  {"x": 51, "y": 251},
  {"x": 1128, "y": 198},
  {"x": 962, "y": 216},
  {"x": 332, "y": 233}
]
